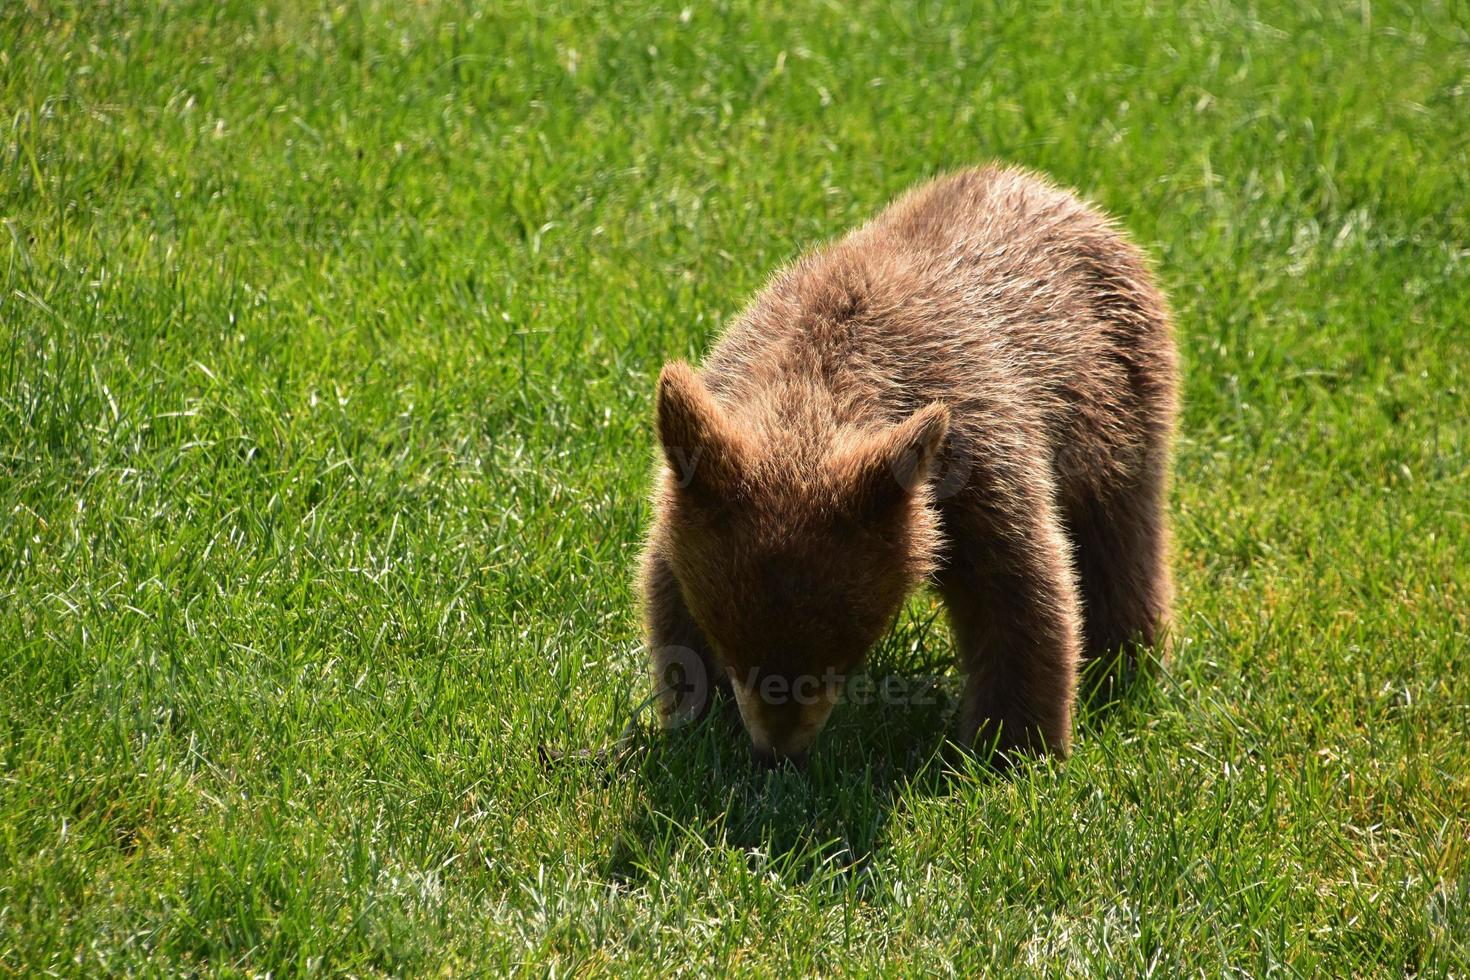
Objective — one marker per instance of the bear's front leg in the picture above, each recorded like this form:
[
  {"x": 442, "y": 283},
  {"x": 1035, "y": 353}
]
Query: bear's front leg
[
  {"x": 684, "y": 672},
  {"x": 1014, "y": 608}
]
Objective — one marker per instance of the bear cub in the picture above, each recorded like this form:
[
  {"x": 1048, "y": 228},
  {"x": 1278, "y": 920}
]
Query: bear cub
[{"x": 976, "y": 389}]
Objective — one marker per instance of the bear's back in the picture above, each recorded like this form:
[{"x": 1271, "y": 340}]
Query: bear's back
[{"x": 991, "y": 290}]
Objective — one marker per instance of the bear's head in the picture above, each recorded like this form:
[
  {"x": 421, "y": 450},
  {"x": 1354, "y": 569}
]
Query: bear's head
[{"x": 794, "y": 542}]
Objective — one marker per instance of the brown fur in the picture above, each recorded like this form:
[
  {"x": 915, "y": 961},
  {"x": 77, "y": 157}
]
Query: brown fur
[{"x": 977, "y": 388}]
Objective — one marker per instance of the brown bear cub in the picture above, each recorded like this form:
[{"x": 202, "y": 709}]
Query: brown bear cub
[{"x": 975, "y": 389}]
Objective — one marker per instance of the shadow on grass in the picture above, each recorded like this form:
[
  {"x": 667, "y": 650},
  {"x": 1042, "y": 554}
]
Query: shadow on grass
[
  {"x": 1110, "y": 690},
  {"x": 700, "y": 786}
]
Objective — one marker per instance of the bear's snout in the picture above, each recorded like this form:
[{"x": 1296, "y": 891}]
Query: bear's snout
[{"x": 781, "y": 724}]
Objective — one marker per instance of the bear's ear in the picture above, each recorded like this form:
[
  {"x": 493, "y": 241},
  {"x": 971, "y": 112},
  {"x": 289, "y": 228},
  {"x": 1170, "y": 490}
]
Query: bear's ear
[
  {"x": 702, "y": 450},
  {"x": 889, "y": 468}
]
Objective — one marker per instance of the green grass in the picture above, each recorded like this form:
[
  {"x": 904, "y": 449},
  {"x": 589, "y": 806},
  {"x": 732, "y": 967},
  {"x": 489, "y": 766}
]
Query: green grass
[{"x": 327, "y": 341}]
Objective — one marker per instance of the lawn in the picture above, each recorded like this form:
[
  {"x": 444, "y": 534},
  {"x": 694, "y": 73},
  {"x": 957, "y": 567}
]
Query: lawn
[{"x": 328, "y": 335}]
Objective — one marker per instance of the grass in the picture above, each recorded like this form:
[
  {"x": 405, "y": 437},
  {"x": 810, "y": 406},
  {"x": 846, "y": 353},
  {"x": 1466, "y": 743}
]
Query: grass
[{"x": 327, "y": 340}]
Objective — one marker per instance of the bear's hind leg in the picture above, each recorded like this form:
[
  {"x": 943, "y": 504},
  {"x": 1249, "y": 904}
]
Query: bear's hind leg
[{"x": 1121, "y": 549}]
